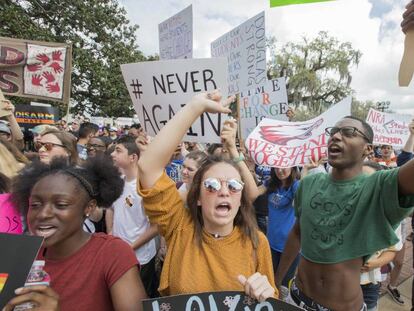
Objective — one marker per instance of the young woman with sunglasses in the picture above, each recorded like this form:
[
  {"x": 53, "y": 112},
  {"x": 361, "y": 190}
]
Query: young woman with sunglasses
[
  {"x": 54, "y": 143},
  {"x": 214, "y": 244}
]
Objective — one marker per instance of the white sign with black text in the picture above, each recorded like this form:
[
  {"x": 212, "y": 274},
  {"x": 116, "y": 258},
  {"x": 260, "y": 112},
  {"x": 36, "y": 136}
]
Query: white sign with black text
[
  {"x": 176, "y": 35},
  {"x": 245, "y": 49},
  {"x": 159, "y": 89}
]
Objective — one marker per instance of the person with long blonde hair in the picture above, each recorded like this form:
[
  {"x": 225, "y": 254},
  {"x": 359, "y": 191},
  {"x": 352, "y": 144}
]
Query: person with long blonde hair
[{"x": 9, "y": 165}]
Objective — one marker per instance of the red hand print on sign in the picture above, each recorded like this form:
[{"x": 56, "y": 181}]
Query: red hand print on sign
[
  {"x": 36, "y": 80},
  {"x": 56, "y": 67},
  {"x": 56, "y": 55},
  {"x": 33, "y": 67},
  {"x": 43, "y": 58},
  {"x": 53, "y": 88},
  {"x": 49, "y": 76}
]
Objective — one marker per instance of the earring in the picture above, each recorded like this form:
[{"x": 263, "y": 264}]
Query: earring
[{"x": 87, "y": 215}]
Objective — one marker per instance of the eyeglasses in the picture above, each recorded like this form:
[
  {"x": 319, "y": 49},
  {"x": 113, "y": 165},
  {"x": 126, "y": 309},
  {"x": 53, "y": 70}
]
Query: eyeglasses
[
  {"x": 94, "y": 146},
  {"x": 48, "y": 146},
  {"x": 346, "y": 131},
  {"x": 213, "y": 185}
]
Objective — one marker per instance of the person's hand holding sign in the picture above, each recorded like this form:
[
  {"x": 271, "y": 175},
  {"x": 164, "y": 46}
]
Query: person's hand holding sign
[
  {"x": 257, "y": 286},
  {"x": 211, "y": 102},
  {"x": 43, "y": 297}
]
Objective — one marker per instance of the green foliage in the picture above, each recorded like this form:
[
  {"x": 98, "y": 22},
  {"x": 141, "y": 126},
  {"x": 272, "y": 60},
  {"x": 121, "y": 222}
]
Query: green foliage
[
  {"x": 102, "y": 39},
  {"x": 317, "y": 72}
]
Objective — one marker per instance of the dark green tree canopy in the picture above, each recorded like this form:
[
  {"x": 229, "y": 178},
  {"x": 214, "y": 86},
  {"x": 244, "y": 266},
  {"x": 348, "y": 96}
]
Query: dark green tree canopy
[
  {"x": 317, "y": 71},
  {"x": 102, "y": 40}
]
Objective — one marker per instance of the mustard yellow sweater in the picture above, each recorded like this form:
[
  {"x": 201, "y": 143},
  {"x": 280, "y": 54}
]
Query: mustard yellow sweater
[{"x": 189, "y": 268}]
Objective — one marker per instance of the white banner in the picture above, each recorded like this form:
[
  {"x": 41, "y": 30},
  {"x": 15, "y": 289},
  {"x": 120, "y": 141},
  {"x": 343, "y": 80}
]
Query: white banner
[
  {"x": 245, "y": 49},
  {"x": 389, "y": 128},
  {"x": 268, "y": 101},
  {"x": 159, "y": 89},
  {"x": 176, "y": 35},
  {"x": 286, "y": 144}
]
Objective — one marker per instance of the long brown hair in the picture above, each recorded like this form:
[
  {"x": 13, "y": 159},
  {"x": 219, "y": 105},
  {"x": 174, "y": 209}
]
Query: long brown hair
[
  {"x": 244, "y": 219},
  {"x": 68, "y": 141}
]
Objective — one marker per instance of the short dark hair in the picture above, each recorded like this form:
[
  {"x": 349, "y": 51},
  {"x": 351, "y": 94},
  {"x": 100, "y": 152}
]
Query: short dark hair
[
  {"x": 99, "y": 178},
  {"x": 136, "y": 126},
  {"x": 367, "y": 128},
  {"x": 129, "y": 143},
  {"x": 87, "y": 128}
]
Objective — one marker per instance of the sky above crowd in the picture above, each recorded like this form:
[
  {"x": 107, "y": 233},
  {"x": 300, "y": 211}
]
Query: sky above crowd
[{"x": 372, "y": 26}]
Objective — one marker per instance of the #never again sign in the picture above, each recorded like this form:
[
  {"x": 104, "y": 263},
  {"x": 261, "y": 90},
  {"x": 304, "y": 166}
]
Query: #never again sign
[{"x": 159, "y": 89}]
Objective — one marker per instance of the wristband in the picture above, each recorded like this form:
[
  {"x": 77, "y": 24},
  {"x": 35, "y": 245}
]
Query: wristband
[{"x": 239, "y": 158}]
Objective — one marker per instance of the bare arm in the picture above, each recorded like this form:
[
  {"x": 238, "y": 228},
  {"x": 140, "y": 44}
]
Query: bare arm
[
  {"x": 289, "y": 254},
  {"x": 15, "y": 130},
  {"x": 385, "y": 258},
  {"x": 128, "y": 292},
  {"x": 406, "y": 173},
  {"x": 228, "y": 136},
  {"x": 158, "y": 153},
  {"x": 109, "y": 220},
  {"x": 145, "y": 237}
]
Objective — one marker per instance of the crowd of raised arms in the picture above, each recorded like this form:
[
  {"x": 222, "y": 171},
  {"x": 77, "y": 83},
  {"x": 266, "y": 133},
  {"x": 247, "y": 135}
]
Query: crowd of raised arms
[{"x": 126, "y": 216}]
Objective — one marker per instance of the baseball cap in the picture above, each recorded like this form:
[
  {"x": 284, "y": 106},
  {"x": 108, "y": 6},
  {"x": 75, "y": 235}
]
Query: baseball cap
[
  {"x": 4, "y": 128},
  {"x": 39, "y": 129}
]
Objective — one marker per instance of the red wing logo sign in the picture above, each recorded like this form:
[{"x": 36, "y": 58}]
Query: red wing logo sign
[{"x": 282, "y": 134}]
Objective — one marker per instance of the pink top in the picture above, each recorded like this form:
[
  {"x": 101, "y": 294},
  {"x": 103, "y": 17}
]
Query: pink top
[{"x": 10, "y": 220}]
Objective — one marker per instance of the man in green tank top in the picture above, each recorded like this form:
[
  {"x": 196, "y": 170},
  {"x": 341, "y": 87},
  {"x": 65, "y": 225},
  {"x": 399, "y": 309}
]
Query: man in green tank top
[{"x": 343, "y": 218}]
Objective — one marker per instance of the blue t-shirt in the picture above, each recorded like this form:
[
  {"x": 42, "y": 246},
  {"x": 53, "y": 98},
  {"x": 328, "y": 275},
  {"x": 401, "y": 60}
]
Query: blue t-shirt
[{"x": 281, "y": 216}]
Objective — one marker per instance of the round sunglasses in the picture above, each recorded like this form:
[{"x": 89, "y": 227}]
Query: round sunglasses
[
  {"x": 48, "y": 146},
  {"x": 214, "y": 185}
]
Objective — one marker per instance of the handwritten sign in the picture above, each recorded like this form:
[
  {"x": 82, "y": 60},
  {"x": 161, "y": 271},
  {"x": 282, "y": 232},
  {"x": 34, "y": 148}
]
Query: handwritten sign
[
  {"x": 216, "y": 301},
  {"x": 245, "y": 49},
  {"x": 176, "y": 35},
  {"x": 286, "y": 144},
  {"x": 17, "y": 255},
  {"x": 268, "y": 101},
  {"x": 159, "y": 89},
  {"x": 35, "y": 69},
  {"x": 10, "y": 220},
  {"x": 389, "y": 128}
]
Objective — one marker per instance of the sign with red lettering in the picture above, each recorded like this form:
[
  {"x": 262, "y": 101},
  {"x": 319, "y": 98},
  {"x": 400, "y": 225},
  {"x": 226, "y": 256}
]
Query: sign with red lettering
[
  {"x": 159, "y": 89},
  {"x": 245, "y": 49},
  {"x": 389, "y": 128},
  {"x": 267, "y": 101},
  {"x": 286, "y": 144},
  {"x": 35, "y": 69}
]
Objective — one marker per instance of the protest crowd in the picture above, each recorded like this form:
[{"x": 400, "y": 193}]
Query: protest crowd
[{"x": 126, "y": 215}]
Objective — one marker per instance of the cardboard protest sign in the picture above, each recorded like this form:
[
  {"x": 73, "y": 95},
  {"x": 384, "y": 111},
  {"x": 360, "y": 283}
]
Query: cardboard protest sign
[
  {"x": 10, "y": 220},
  {"x": 35, "y": 69},
  {"x": 17, "y": 255},
  {"x": 159, "y": 89},
  {"x": 3, "y": 112},
  {"x": 216, "y": 301},
  {"x": 389, "y": 128},
  {"x": 245, "y": 49},
  {"x": 268, "y": 101},
  {"x": 274, "y": 3},
  {"x": 286, "y": 144},
  {"x": 176, "y": 35},
  {"x": 29, "y": 116}
]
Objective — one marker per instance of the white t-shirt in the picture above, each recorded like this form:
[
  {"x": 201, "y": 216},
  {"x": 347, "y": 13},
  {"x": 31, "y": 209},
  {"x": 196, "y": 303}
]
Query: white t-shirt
[{"x": 130, "y": 221}]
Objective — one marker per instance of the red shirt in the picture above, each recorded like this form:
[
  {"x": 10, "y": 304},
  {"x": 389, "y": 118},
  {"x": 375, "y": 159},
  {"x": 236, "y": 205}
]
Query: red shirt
[{"x": 83, "y": 280}]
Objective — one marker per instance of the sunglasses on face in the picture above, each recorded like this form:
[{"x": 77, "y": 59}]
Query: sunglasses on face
[
  {"x": 346, "y": 131},
  {"x": 214, "y": 185},
  {"x": 48, "y": 146}
]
